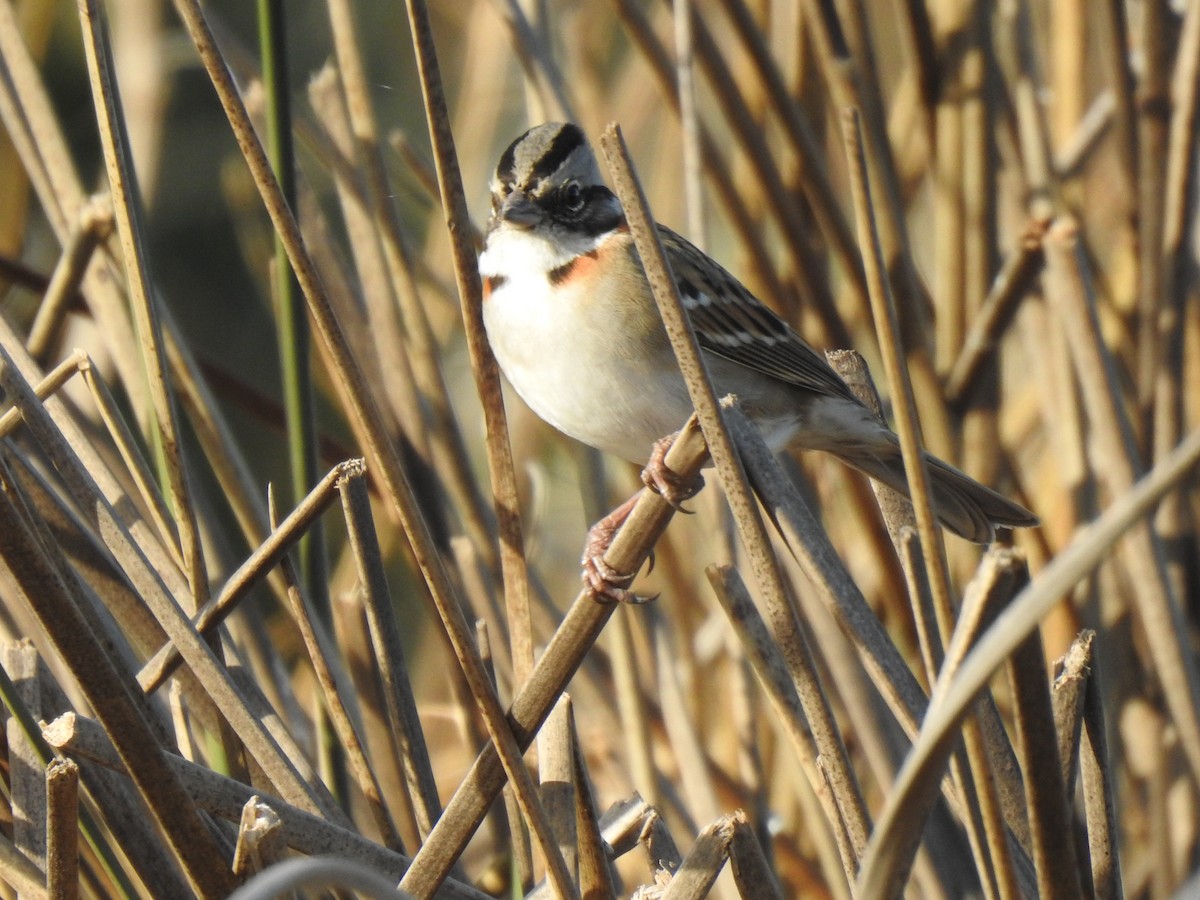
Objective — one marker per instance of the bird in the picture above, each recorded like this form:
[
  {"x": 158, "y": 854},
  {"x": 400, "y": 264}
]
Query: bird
[{"x": 573, "y": 325}]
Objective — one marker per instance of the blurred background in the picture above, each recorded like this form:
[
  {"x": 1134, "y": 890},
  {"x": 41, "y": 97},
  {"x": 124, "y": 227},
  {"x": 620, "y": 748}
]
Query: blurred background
[{"x": 990, "y": 130}]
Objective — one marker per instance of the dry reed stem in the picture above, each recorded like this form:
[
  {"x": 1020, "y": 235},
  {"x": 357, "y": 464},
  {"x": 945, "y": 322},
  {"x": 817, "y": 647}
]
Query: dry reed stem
[
  {"x": 62, "y": 829},
  {"x": 226, "y": 798},
  {"x": 841, "y": 597},
  {"x": 972, "y": 773},
  {"x": 131, "y": 455},
  {"x": 851, "y": 82},
  {"x": 852, "y": 368},
  {"x": 349, "y": 376},
  {"x": 751, "y": 872},
  {"x": 537, "y": 62},
  {"x": 1178, "y": 214},
  {"x": 483, "y": 364},
  {"x": 814, "y": 176},
  {"x": 659, "y": 845},
  {"x": 579, "y": 630},
  {"x": 1000, "y": 573},
  {"x": 815, "y": 293},
  {"x": 1090, "y": 151},
  {"x": 767, "y": 660},
  {"x": 683, "y": 17},
  {"x": 405, "y": 724},
  {"x": 883, "y": 308},
  {"x": 1153, "y": 114},
  {"x": 595, "y": 874},
  {"x": 118, "y": 809},
  {"x": 633, "y": 709},
  {"x": 947, "y": 177},
  {"x": 320, "y": 656},
  {"x": 876, "y": 654},
  {"x": 364, "y": 408},
  {"x": 920, "y": 596},
  {"x": 745, "y": 224},
  {"x": 985, "y": 816},
  {"x": 27, "y": 794},
  {"x": 50, "y": 596},
  {"x": 20, "y": 872},
  {"x": 328, "y": 100},
  {"x": 733, "y": 481},
  {"x": 130, "y": 229},
  {"x": 46, "y": 387},
  {"x": 990, "y": 321},
  {"x": 694, "y": 775},
  {"x": 95, "y": 223},
  {"x": 1086, "y": 139},
  {"x": 222, "y": 452},
  {"x": 556, "y": 765},
  {"x": 1096, "y": 776}
]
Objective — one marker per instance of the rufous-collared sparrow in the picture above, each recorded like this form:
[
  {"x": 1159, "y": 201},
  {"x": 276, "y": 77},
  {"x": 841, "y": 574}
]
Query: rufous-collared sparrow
[{"x": 575, "y": 329}]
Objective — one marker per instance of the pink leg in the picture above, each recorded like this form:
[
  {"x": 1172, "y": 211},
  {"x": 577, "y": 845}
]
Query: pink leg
[{"x": 663, "y": 481}]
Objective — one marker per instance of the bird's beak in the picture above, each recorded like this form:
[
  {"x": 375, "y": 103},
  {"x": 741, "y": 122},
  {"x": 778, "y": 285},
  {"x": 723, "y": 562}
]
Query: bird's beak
[{"x": 520, "y": 210}]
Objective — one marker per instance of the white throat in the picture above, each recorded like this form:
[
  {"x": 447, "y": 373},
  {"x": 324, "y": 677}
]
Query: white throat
[{"x": 512, "y": 252}]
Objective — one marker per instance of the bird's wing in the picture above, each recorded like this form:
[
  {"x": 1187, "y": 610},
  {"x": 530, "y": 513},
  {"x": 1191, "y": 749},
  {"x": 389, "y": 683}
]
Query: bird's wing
[{"x": 732, "y": 323}]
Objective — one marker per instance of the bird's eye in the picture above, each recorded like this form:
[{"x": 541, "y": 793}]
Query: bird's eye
[{"x": 572, "y": 197}]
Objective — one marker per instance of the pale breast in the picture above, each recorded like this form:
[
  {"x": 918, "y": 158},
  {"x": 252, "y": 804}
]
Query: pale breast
[{"x": 588, "y": 355}]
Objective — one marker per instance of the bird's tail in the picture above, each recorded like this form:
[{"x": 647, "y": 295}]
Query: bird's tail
[{"x": 961, "y": 503}]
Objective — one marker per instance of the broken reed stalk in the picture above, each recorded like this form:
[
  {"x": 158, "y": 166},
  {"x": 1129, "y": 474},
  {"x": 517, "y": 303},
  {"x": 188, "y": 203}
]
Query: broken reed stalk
[
  {"x": 1024, "y": 423},
  {"x": 770, "y": 668},
  {"x": 1068, "y": 694},
  {"x": 62, "y": 829}
]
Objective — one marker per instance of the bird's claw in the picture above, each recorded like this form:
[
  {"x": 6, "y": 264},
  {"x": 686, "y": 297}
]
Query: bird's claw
[
  {"x": 607, "y": 585},
  {"x": 666, "y": 482},
  {"x": 601, "y": 580}
]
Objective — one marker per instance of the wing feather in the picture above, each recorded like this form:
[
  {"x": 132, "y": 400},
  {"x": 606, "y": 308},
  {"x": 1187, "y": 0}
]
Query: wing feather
[{"x": 732, "y": 323}]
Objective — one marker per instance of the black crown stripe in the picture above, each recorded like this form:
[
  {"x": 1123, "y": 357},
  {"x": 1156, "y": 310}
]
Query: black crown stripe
[{"x": 569, "y": 139}]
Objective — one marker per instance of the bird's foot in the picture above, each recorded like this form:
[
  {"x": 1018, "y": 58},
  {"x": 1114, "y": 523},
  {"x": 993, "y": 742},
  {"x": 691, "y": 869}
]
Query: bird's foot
[
  {"x": 600, "y": 579},
  {"x": 664, "y": 481}
]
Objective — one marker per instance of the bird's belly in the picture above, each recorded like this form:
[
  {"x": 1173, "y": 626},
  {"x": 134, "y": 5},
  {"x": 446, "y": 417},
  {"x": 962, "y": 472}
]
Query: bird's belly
[{"x": 568, "y": 366}]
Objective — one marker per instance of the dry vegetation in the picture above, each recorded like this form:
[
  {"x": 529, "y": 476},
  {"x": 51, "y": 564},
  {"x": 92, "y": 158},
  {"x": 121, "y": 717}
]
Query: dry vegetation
[{"x": 370, "y": 647}]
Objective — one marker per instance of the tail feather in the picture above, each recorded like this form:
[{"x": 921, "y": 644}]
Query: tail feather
[{"x": 963, "y": 505}]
